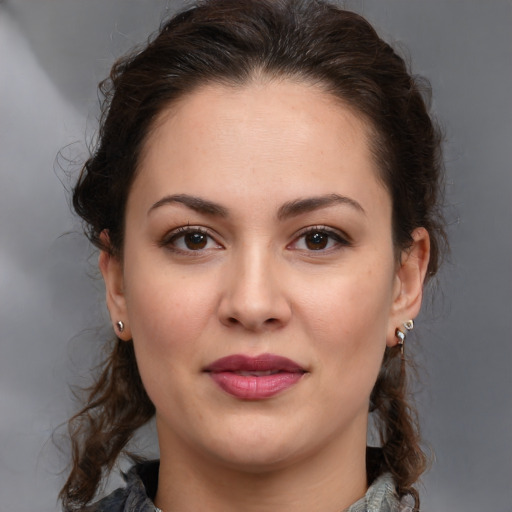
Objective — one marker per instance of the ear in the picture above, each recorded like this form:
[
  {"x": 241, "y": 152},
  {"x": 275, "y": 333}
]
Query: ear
[
  {"x": 112, "y": 271},
  {"x": 409, "y": 279}
]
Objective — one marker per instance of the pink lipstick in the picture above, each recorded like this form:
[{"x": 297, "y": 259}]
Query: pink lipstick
[{"x": 255, "y": 378}]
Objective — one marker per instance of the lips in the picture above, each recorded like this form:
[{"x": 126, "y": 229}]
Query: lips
[{"x": 255, "y": 378}]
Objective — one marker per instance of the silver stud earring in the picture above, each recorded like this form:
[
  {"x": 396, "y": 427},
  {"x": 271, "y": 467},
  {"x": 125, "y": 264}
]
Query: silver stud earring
[
  {"x": 120, "y": 326},
  {"x": 409, "y": 325}
]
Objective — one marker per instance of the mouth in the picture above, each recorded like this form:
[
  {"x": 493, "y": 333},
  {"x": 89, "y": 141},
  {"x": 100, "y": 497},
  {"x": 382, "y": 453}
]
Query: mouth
[{"x": 255, "y": 378}]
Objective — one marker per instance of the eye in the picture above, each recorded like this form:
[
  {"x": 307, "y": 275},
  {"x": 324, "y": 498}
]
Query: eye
[
  {"x": 319, "y": 239},
  {"x": 190, "y": 238}
]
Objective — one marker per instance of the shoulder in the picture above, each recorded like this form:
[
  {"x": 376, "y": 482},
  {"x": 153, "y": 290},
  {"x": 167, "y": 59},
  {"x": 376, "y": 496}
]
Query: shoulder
[
  {"x": 112, "y": 503},
  {"x": 382, "y": 497},
  {"x": 136, "y": 496}
]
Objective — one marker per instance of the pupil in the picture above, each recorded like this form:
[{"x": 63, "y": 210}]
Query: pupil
[
  {"x": 316, "y": 241},
  {"x": 195, "y": 240}
]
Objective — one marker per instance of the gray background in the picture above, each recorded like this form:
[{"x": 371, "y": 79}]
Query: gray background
[{"x": 53, "y": 52}]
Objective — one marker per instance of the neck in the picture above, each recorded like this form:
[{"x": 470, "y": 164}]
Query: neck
[{"x": 330, "y": 480}]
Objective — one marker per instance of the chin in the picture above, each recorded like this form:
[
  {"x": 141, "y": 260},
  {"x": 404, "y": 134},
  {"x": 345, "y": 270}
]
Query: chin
[
  {"x": 263, "y": 459},
  {"x": 260, "y": 448}
]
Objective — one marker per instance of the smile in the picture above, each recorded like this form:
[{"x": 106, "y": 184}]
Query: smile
[{"x": 255, "y": 378}]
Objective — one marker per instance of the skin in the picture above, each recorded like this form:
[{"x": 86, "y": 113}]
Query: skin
[{"x": 257, "y": 284}]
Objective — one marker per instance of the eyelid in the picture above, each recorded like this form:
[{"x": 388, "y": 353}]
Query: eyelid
[
  {"x": 341, "y": 238},
  {"x": 181, "y": 231}
]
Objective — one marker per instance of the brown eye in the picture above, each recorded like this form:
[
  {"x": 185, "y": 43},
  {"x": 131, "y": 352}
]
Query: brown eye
[
  {"x": 316, "y": 241},
  {"x": 189, "y": 239},
  {"x": 195, "y": 241},
  {"x": 320, "y": 239}
]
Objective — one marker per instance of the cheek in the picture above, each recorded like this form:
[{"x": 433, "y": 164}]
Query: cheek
[
  {"x": 167, "y": 317},
  {"x": 167, "y": 312},
  {"x": 350, "y": 304},
  {"x": 348, "y": 318}
]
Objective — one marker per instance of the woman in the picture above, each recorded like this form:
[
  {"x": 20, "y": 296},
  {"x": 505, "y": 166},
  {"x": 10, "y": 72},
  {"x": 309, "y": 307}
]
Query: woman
[{"x": 264, "y": 195}]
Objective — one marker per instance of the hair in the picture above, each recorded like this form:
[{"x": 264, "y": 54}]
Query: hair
[{"x": 233, "y": 43}]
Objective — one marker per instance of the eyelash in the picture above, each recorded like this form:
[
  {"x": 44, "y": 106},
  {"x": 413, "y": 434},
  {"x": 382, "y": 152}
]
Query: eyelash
[
  {"x": 340, "y": 239},
  {"x": 170, "y": 239}
]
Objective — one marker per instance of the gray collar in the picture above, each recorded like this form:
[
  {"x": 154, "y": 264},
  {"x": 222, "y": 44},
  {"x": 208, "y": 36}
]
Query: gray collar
[
  {"x": 381, "y": 497},
  {"x": 142, "y": 479}
]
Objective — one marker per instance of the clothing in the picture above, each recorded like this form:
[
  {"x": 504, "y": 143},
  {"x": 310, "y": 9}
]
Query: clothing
[{"x": 142, "y": 479}]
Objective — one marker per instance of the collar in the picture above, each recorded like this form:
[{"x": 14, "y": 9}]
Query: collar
[
  {"x": 142, "y": 480},
  {"x": 381, "y": 497}
]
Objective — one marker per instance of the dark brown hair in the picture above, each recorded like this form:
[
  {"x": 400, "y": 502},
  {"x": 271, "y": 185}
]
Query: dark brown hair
[{"x": 232, "y": 42}]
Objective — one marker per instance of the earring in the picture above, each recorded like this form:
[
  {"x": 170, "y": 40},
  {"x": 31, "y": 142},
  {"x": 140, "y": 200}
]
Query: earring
[
  {"x": 401, "y": 335},
  {"x": 409, "y": 325},
  {"x": 120, "y": 326},
  {"x": 401, "y": 339}
]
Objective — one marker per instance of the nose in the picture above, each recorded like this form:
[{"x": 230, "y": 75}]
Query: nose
[{"x": 253, "y": 294}]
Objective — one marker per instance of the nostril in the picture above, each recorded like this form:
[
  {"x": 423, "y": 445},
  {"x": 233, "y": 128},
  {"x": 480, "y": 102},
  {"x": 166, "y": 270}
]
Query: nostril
[{"x": 269, "y": 321}]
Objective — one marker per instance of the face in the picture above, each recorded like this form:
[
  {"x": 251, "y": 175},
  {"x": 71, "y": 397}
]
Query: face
[{"x": 259, "y": 280}]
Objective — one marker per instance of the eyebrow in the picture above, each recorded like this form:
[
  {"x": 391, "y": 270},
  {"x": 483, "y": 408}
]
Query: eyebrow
[
  {"x": 194, "y": 203},
  {"x": 309, "y": 204},
  {"x": 286, "y": 211}
]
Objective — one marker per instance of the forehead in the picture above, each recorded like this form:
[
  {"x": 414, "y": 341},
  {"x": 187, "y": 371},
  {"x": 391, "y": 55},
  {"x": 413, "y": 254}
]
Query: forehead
[
  {"x": 265, "y": 110},
  {"x": 259, "y": 139}
]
